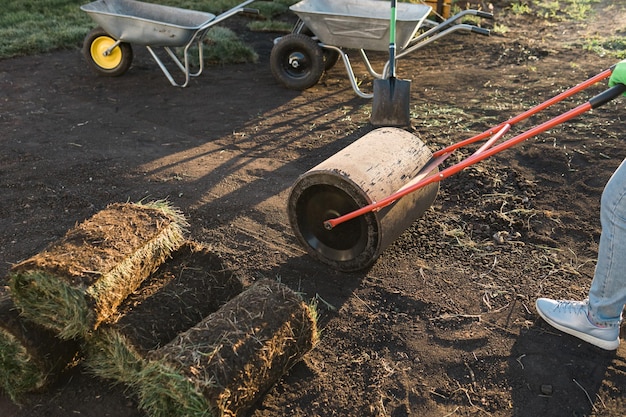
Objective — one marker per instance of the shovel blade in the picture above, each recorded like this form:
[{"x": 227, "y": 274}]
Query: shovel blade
[{"x": 391, "y": 103}]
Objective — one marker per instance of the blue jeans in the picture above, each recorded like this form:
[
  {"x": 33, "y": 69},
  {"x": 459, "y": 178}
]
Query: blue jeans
[{"x": 607, "y": 294}]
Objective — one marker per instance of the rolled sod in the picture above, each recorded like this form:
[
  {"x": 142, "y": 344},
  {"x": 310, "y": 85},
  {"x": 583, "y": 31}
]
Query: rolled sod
[
  {"x": 31, "y": 357},
  {"x": 79, "y": 281},
  {"x": 187, "y": 287},
  {"x": 223, "y": 364}
]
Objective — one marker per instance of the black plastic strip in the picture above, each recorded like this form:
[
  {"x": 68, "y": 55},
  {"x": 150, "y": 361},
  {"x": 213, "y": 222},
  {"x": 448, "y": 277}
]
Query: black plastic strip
[{"x": 607, "y": 95}]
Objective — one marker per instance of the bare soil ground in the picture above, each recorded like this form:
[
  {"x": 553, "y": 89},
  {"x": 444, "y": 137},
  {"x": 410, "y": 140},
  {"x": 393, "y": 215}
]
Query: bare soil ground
[{"x": 444, "y": 322}]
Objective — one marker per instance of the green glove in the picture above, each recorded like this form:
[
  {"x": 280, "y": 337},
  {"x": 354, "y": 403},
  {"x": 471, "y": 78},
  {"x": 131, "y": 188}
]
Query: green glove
[{"x": 618, "y": 76}]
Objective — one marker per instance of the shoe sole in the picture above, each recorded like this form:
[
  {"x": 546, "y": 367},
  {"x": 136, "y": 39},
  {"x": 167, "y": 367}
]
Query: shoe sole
[{"x": 603, "y": 344}]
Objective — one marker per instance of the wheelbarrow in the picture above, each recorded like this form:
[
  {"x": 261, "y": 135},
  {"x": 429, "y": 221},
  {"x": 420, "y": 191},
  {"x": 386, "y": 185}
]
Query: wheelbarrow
[
  {"x": 349, "y": 208},
  {"x": 107, "y": 47},
  {"x": 326, "y": 29}
]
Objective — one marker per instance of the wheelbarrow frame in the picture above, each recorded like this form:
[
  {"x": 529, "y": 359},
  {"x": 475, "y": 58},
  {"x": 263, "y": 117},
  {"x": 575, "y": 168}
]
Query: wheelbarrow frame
[
  {"x": 490, "y": 147},
  {"x": 355, "y": 32},
  {"x": 153, "y": 26}
]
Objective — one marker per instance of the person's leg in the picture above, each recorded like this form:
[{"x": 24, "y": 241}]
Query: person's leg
[
  {"x": 597, "y": 319},
  {"x": 607, "y": 294}
]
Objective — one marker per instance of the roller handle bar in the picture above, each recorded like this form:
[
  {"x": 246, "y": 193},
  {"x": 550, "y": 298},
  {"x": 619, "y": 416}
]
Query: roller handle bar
[
  {"x": 593, "y": 103},
  {"x": 607, "y": 95},
  {"x": 530, "y": 112}
]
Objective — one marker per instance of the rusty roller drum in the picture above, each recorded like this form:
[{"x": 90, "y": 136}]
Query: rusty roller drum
[{"x": 372, "y": 168}]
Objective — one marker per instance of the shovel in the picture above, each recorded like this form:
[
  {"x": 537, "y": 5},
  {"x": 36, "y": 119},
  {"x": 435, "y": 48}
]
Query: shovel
[{"x": 390, "y": 106}]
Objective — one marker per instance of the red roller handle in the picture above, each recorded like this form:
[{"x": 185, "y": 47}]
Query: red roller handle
[{"x": 487, "y": 150}]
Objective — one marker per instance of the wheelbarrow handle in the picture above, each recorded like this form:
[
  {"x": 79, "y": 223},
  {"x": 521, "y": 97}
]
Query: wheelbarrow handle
[
  {"x": 480, "y": 31},
  {"x": 485, "y": 15},
  {"x": 225, "y": 15},
  {"x": 250, "y": 10},
  {"x": 482, "y": 154}
]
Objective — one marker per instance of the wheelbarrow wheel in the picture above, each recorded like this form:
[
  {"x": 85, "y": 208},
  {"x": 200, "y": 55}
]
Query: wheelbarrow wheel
[
  {"x": 297, "y": 61},
  {"x": 331, "y": 56},
  {"x": 104, "y": 62}
]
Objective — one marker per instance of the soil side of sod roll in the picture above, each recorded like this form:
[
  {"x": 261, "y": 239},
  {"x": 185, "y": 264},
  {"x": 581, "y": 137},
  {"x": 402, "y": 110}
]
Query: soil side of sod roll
[
  {"x": 31, "y": 357},
  {"x": 222, "y": 365},
  {"x": 80, "y": 280},
  {"x": 187, "y": 287}
]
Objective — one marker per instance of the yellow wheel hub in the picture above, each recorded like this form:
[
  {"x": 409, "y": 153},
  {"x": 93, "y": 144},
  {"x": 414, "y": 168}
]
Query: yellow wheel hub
[{"x": 98, "y": 52}]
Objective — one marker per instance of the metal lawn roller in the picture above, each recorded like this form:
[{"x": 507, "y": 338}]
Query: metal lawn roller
[
  {"x": 348, "y": 209},
  {"x": 326, "y": 28},
  {"x": 122, "y": 22}
]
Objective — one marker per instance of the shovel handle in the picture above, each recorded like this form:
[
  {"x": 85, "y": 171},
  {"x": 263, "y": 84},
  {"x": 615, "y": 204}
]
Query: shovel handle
[
  {"x": 392, "y": 22},
  {"x": 392, "y": 39}
]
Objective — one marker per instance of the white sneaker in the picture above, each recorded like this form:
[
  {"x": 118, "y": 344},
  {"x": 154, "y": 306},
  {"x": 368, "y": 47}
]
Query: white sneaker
[{"x": 571, "y": 317}]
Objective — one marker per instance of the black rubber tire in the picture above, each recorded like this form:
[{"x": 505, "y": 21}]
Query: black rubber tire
[
  {"x": 297, "y": 61},
  {"x": 330, "y": 55},
  {"x": 113, "y": 65},
  {"x": 330, "y": 58}
]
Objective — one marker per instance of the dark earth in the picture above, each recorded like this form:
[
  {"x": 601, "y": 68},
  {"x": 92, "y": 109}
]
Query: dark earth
[{"x": 443, "y": 323}]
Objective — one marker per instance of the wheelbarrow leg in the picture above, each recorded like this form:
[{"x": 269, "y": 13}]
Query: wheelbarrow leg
[
  {"x": 350, "y": 71},
  {"x": 164, "y": 69},
  {"x": 184, "y": 66}
]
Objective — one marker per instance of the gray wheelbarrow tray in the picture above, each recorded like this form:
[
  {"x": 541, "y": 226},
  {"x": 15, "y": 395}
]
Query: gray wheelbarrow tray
[
  {"x": 360, "y": 24},
  {"x": 154, "y": 25},
  {"x": 364, "y": 25}
]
